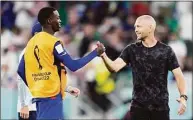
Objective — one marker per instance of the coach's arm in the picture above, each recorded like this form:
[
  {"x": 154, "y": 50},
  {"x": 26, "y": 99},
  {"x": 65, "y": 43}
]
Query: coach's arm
[
  {"x": 180, "y": 80},
  {"x": 113, "y": 66}
]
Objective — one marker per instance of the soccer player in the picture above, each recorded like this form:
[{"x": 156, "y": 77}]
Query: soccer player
[
  {"x": 26, "y": 109},
  {"x": 40, "y": 67},
  {"x": 150, "y": 61}
]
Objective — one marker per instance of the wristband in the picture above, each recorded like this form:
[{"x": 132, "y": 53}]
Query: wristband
[{"x": 184, "y": 96}]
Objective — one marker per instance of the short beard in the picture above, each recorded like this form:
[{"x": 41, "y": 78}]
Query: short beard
[
  {"x": 56, "y": 30},
  {"x": 142, "y": 39}
]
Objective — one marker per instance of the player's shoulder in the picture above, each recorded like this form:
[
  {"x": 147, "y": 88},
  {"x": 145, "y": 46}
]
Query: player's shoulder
[
  {"x": 36, "y": 28},
  {"x": 46, "y": 36}
]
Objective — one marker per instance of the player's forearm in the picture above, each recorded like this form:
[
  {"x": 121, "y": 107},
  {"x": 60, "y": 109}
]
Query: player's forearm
[
  {"x": 21, "y": 93},
  {"x": 74, "y": 65},
  {"x": 28, "y": 101},
  {"x": 85, "y": 60},
  {"x": 108, "y": 63},
  {"x": 25, "y": 100},
  {"x": 71, "y": 64}
]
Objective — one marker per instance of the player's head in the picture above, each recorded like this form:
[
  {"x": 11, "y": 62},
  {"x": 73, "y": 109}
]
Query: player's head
[
  {"x": 49, "y": 17},
  {"x": 144, "y": 26}
]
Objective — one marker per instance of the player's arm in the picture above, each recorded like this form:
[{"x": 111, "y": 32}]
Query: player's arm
[
  {"x": 25, "y": 101},
  {"x": 22, "y": 94},
  {"x": 61, "y": 54},
  {"x": 21, "y": 70},
  {"x": 21, "y": 91}
]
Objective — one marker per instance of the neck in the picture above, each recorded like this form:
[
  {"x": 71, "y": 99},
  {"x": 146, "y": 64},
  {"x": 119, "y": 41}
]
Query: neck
[
  {"x": 149, "y": 41},
  {"x": 48, "y": 30}
]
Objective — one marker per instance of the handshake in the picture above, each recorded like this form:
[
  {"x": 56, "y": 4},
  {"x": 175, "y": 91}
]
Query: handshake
[{"x": 100, "y": 48}]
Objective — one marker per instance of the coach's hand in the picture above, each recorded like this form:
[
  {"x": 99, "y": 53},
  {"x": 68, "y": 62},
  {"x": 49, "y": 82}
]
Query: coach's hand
[
  {"x": 182, "y": 108},
  {"x": 24, "y": 112},
  {"x": 73, "y": 91},
  {"x": 100, "y": 48}
]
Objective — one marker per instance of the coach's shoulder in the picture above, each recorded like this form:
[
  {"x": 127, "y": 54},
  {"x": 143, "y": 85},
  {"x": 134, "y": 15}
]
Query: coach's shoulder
[
  {"x": 164, "y": 45},
  {"x": 135, "y": 44}
]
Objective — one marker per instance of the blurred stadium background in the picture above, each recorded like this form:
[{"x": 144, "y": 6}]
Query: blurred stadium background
[{"x": 103, "y": 95}]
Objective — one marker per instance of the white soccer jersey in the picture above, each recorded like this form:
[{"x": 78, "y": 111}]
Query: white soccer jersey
[{"x": 24, "y": 95}]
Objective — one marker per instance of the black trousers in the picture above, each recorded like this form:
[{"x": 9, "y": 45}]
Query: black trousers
[
  {"x": 144, "y": 114},
  {"x": 32, "y": 116}
]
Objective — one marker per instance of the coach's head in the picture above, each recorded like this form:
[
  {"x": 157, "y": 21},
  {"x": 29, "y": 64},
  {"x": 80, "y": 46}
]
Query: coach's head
[
  {"x": 145, "y": 27},
  {"x": 49, "y": 18}
]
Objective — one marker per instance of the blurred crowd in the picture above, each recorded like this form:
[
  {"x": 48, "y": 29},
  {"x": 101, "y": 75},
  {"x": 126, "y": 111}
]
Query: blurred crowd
[{"x": 85, "y": 23}]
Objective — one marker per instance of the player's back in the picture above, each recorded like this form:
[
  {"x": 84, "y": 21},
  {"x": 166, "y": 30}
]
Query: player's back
[
  {"x": 42, "y": 44},
  {"x": 43, "y": 38},
  {"x": 41, "y": 73}
]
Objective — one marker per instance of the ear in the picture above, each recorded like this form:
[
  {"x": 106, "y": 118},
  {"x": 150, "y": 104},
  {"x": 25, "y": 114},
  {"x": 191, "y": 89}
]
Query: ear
[
  {"x": 49, "y": 21},
  {"x": 150, "y": 26}
]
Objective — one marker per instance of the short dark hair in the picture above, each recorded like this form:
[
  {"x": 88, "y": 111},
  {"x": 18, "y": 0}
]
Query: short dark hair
[{"x": 44, "y": 14}]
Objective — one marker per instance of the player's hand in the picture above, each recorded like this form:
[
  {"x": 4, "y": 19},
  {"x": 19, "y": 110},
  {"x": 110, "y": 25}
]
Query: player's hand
[
  {"x": 73, "y": 91},
  {"x": 100, "y": 48},
  {"x": 24, "y": 112},
  {"x": 182, "y": 108}
]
